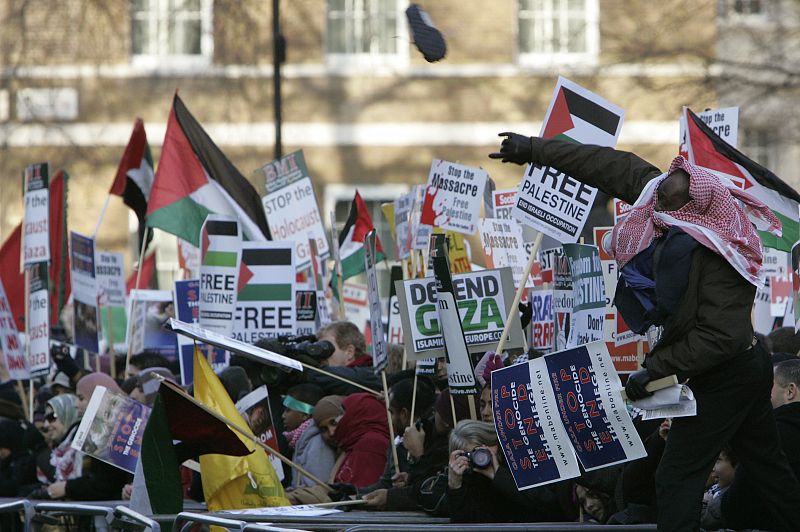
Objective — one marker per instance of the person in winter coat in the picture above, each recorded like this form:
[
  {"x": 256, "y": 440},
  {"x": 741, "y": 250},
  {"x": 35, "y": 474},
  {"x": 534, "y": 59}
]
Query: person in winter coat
[
  {"x": 358, "y": 426},
  {"x": 17, "y": 461},
  {"x": 309, "y": 450},
  {"x": 689, "y": 259},
  {"x": 349, "y": 360}
]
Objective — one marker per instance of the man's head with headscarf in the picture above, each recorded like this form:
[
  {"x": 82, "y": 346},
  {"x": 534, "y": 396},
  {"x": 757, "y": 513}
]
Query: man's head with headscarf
[{"x": 673, "y": 192}]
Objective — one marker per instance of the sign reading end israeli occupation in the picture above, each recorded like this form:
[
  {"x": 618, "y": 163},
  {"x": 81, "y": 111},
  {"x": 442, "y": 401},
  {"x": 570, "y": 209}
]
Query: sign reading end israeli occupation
[
  {"x": 36, "y": 223},
  {"x": 265, "y": 304},
  {"x": 549, "y": 200},
  {"x": 483, "y": 299},
  {"x": 529, "y": 430},
  {"x": 220, "y": 254},
  {"x": 453, "y": 198},
  {"x": 587, "y": 391},
  {"x": 291, "y": 206}
]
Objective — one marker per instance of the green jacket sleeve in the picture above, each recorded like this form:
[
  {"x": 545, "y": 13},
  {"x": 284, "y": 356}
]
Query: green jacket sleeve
[
  {"x": 617, "y": 173},
  {"x": 721, "y": 325}
]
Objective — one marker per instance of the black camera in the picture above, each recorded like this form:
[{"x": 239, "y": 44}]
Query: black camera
[
  {"x": 306, "y": 345},
  {"x": 479, "y": 458}
]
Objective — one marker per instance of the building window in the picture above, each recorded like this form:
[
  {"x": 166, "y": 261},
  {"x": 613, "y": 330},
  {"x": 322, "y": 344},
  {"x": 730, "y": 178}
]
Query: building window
[
  {"x": 338, "y": 199},
  {"x": 744, "y": 10},
  {"x": 164, "y": 30},
  {"x": 366, "y": 31},
  {"x": 558, "y": 31},
  {"x": 761, "y": 146}
]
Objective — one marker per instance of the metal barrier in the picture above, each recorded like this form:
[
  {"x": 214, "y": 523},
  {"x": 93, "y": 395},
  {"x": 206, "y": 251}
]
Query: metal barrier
[
  {"x": 125, "y": 516},
  {"x": 50, "y": 512},
  {"x": 185, "y": 520},
  {"x": 516, "y": 527},
  {"x": 22, "y": 506},
  {"x": 255, "y": 527}
]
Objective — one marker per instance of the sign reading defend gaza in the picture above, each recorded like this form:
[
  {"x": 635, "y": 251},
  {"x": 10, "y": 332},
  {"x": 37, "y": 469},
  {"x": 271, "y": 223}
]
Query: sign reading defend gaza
[
  {"x": 549, "y": 200},
  {"x": 483, "y": 299}
]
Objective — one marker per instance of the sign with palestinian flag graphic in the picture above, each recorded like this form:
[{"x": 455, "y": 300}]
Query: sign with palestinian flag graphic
[
  {"x": 220, "y": 253},
  {"x": 351, "y": 239},
  {"x": 265, "y": 306},
  {"x": 547, "y": 199},
  {"x": 705, "y": 148}
]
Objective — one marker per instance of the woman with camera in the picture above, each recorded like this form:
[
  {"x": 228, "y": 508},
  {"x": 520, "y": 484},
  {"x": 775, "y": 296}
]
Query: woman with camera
[{"x": 480, "y": 488}]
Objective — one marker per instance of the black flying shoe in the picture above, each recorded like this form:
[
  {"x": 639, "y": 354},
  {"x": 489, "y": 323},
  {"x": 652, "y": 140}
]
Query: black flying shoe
[{"x": 428, "y": 39}]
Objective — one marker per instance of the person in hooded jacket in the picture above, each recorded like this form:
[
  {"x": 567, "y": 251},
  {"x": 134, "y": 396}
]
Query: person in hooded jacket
[{"x": 358, "y": 426}]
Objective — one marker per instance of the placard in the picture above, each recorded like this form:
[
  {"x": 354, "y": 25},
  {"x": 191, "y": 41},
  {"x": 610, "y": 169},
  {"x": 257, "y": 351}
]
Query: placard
[
  {"x": 563, "y": 303},
  {"x": 220, "y": 255},
  {"x": 453, "y": 197},
  {"x": 254, "y": 408},
  {"x": 589, "y": 295},
  {"x": 394, "y": 329},
  {"x": 547, "y": 199},
  {"x": 37, "y": 322},
  {"x": 379, "y": 352},
  {"x": 483, "y": 300},
  {"x": 305, "y": 302},
  {"x": 13, "y": 356},
  {"x": 110, "y": 275},
  {"x": 542, "y": 321},
  {"x": 112, "y": 428},
  {"x": 36, "y": 217},
  {"x": 187, "y": 309},
  {"x": 291, "y": 206},
  {"x": 149, "y": 311},
  {"x": 503, "y": 246},
  {"x": 265, "y": 302},
  {"x": 84, "y": 292}
]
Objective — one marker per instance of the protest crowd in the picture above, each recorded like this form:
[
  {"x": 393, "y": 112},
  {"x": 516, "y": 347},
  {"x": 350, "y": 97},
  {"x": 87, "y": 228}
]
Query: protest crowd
[{"x": 647, "y": 377}]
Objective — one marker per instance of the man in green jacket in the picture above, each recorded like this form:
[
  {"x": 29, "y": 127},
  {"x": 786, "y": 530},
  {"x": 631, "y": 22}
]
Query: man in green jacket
[{"x": 689, "y": 261}]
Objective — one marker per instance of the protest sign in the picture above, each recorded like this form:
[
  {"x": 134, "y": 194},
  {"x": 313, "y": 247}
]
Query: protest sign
[
  {"x": 621, "y": 210},
  {"x": 356, "y": 303},
  {"x": 265, "y": 304},
  {"x": 110, "y": 275},
  {"x": 460, "y": 371},
  {"x": 188, "y": 259},
  {"x": 546, "y": 260},
  {"x": 305, "y": 302},
  {"x": 13, "y": 356},
  {"x": 502, "y": 204},
  {"x": 503, "y": 247},
  {"x": 187, "y": 309},
  {"x": 453, "y": 197},
  {"x": 483, "y": 300},
  {"x": 542, "y": 325},
  {"x": 235, "y": 346},
  {"x": 37, "y": 322},
  {"x": 456, "y": 248},
  {"x": 111, "y": 429},
  {"x": 36, "y": 218},
  {"x": 254, "y": 408},
  {"x": 426, "y": 366},
  {"x": 589, "y": 295},
  {"x": 84, "y": 292},
  {"x": 775, "y": 263},
  {"x": 153, "y": 308},
  {"x": 291, "y": 206},
  {"x": 322, "y": 316},
  {"x": 587, "y": 391},
  {"x": 220, "y": 255},
  {"x": 379, "y": 352},
  {"x": 563, "y": 303},
  {"x": 780, "y": 293},
  {"x": 402, "y": 221},
  {"x": 535, "y": 444},
  {"x": 394, "y": 329},
  {"x": 795, "y": 256},
  {"x": 724, "y": 122},
  {"x": 549, "y": 200}
]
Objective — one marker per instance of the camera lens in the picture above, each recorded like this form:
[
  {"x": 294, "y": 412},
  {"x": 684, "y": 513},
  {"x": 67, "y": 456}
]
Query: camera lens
[{"x": 480, "y": 458}]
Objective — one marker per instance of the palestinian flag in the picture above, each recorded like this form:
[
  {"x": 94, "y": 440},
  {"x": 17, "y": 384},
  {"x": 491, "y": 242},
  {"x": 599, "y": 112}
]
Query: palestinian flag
[
  {"x": 707, "y": 149},
  {"x": 266, "y": 274},
  {"x": 572, "y": 117},
  {"x": 134, "y": 178},
  {"x": 157, "y": 483},
  {"x": 147, "y": 276},
  {"x": 194, "y": 179},
  {"x": 351, "y": 239},
  {"x": 14, "y": 280}
]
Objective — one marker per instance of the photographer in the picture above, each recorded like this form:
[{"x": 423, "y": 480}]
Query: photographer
[
  {"x": 480, "y": 488},
  {"x": 348, "y": 360}
]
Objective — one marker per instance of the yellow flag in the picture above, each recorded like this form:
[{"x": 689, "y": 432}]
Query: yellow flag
[{"x": 233, "y": 482}]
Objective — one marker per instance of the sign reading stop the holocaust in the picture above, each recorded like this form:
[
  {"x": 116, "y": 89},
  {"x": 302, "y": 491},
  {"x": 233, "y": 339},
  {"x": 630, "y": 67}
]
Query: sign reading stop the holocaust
[
  {"x": 36, "y": 221},
  {"x": 549, "y": 200}
]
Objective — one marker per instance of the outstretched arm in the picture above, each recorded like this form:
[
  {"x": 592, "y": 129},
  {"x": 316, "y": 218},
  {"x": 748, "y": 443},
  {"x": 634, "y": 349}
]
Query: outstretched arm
[{"x": 618, "y": 173}]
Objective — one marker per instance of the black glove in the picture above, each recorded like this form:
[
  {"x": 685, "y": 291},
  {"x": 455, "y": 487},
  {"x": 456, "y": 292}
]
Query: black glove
[
  {"x": 635, "y": 387},
  {"x": 515, "y": 148},
  {"x": 64, "y": 362}
]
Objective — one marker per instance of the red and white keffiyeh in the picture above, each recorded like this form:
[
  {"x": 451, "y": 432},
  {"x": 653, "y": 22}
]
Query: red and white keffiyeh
[{"x": 716, "y": 216}]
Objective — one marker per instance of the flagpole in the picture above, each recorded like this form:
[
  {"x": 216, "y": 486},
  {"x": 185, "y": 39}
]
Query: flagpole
[
  {"x": 247, "y": 434},
  {"x": 518, "y": 295},
  {"x": 102, "y": 215},
  {"x": 133, "y": 303},
  {"x": 391, "y": 427}
]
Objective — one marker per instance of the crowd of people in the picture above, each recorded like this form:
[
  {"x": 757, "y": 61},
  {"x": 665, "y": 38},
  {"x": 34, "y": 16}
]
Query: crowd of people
[{"x": 446, "y": 466}]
